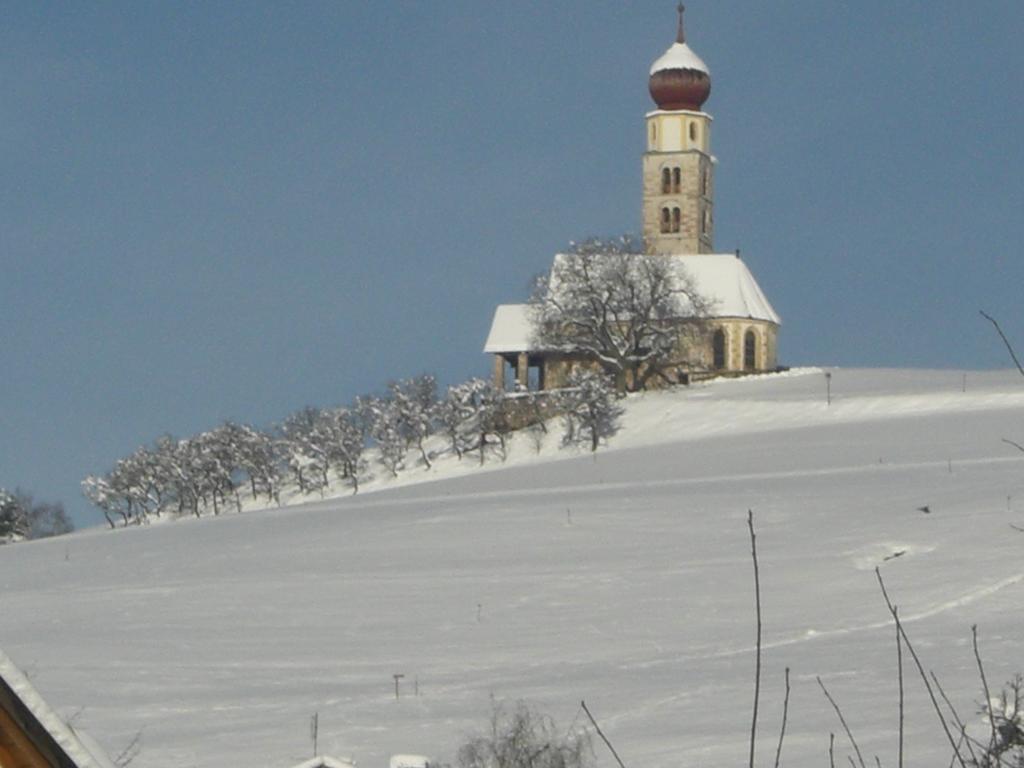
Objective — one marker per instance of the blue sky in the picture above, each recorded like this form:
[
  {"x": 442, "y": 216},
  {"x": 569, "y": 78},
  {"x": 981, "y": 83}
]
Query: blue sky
[{"x": 215, "y": 210}]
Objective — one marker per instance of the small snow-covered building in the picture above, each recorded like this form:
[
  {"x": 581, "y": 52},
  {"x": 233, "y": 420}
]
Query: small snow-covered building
[
  {"x": 33, "y": 735},
  {"x": 741, "y": 329}
]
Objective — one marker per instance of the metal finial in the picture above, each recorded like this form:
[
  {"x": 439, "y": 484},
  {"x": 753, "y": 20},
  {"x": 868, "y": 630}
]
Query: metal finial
[{"x": 681, "y": 34}]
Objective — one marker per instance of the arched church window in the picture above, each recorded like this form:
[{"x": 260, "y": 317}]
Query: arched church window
[
  {"x": 654, "y": 133},
  {"x": 693, "y": 131},
  {"x": 705, "y": 182},
  {"x": 718, "y": 349},
  {"x": 677, "y": 179},
  {"x": 676, "y": 217},
  {"x": 750, "y": 351},
  {"x": 666, "y": 220},
  {"x": 666, "y": 181}
]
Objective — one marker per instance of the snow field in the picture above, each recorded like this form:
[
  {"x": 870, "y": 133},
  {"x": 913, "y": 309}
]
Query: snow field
[{"x": 622, "y": 578}]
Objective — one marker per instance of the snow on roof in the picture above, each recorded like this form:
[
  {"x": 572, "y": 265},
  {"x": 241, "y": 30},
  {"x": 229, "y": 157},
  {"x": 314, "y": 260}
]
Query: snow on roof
[
  {"x": 511, "y": 329},
  {"x": 82, "y": 752},
  {"x": 325, "y": 761},
  {"x": 726, "y": 280},
  {"x": 722, "y": 278},
  {"x": 680, "y": 56},
  {"x": 409, "y": 761}
]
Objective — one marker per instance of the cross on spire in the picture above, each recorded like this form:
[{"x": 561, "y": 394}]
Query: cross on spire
[{"x": 681, "y": 34}]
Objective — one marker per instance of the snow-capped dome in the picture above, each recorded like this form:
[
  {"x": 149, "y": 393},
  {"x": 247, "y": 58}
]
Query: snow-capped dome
[
  {"x": 679, "y": 78},
  {"x": 680, "y": 56}
]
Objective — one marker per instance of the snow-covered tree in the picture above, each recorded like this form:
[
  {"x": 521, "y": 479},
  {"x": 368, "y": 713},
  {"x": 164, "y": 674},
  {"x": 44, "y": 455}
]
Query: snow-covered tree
[
  {"x": 415, "y": 401},
  {"x": 14, "y": 519},
  {"x": 482, "y": 418},
  {"x": 590, "y": 408},
  {"x": 253, "y": 456},
  {"x": 348, "y": 442},
  {"x": 384, "y": 418},
  {"x": 304, "y": 446},
  {"x": 451, "y": 413},
  {"x": 636, "y": 315}
]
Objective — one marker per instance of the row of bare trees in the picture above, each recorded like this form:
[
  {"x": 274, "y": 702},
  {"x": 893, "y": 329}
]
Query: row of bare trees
[{"x": 315, "y": 449}]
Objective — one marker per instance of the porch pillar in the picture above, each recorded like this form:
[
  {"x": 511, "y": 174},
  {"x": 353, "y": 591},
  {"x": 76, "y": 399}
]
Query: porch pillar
[
  {"x": 523, "y": 370},
  {"x": 499, "y": 372}
]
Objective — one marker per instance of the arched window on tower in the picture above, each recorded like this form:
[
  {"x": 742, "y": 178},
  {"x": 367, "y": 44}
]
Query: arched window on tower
[
  {"x": 718, "y": 349},
  {"x": 666, "y": 220},
  {"x": 677, "y": 180},
  {"x": 693, "y": 131},
  {"x": 750, "y": 351},
  {"x": 666, "y": 181},
  {"x": 676, "y": 217},
  {"x": 705, "y": 182}
]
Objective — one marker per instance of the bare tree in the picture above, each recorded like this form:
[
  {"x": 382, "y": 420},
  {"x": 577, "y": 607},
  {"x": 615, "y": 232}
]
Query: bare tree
[
  {"x": 589, "y": 408},
  {"x": 522, "y": 738},
  {"x": 636, "y": 315}
]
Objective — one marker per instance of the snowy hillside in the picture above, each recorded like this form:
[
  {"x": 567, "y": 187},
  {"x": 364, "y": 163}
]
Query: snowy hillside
[{"x": 622, "y": 578}]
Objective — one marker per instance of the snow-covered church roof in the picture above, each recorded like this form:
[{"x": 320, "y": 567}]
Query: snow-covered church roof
[
  {"x": 722, "y": 278},
  {"x": 35, "y": 715}
]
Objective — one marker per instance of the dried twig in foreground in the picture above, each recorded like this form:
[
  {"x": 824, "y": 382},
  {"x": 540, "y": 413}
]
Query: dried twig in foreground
[
  {"x": 842, "y": 720},
  {"x": 984, "y": 687},
  {"x": 1006, "y": 341},
  {"x": 601, "y": 734},
  {"x": 899, "y": 671},
  {"x": 920, "y": 669},
  {"x": 785, "y": 713},
  {"x": 757, "y": 599}
]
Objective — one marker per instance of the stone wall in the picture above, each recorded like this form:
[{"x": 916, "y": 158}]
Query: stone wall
[
  {"x": 694, "y": 201},
  {"x": 694, "y": 351}
]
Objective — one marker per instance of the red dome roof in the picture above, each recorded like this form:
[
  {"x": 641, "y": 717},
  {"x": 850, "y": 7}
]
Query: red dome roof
[{"x": 680, "y": 79}]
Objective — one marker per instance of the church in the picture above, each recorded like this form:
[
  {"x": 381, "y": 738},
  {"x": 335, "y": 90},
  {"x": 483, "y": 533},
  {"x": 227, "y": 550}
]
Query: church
[{"x": 740, "y": 331}]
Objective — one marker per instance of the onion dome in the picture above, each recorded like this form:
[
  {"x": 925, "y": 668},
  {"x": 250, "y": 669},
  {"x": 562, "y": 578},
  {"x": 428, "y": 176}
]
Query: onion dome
[{"x": 680, "y": 79}]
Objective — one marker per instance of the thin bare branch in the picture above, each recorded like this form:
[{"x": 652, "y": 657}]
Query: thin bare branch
[
  {"x": 952, "y": 760},
  {"x": 984, "y": 687},
  {"x": 899, "y": 670},
  {"x": 1006, "y": 341},
  {"x": 785, "y": 714},
  {"x": 130, "y": 752},
  {"x": 842, "y": 720},
  {"x": 1018, "y": 446},
  {"x": 601, "y": 734},
  {"x": 832, "y": 750},
  {"x": 920, "y": 668},
  {"x": 757, "y": 603},
  {"x": 961, "y": 727}
]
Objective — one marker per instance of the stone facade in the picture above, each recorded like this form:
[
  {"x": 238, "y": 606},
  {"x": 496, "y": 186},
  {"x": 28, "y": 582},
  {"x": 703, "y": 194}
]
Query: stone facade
[{"x": 696, "y": 353}]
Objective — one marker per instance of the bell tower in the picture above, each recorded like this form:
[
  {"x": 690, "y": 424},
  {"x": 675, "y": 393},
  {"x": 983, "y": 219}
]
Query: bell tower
[{"x": 678, "y": 169}]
